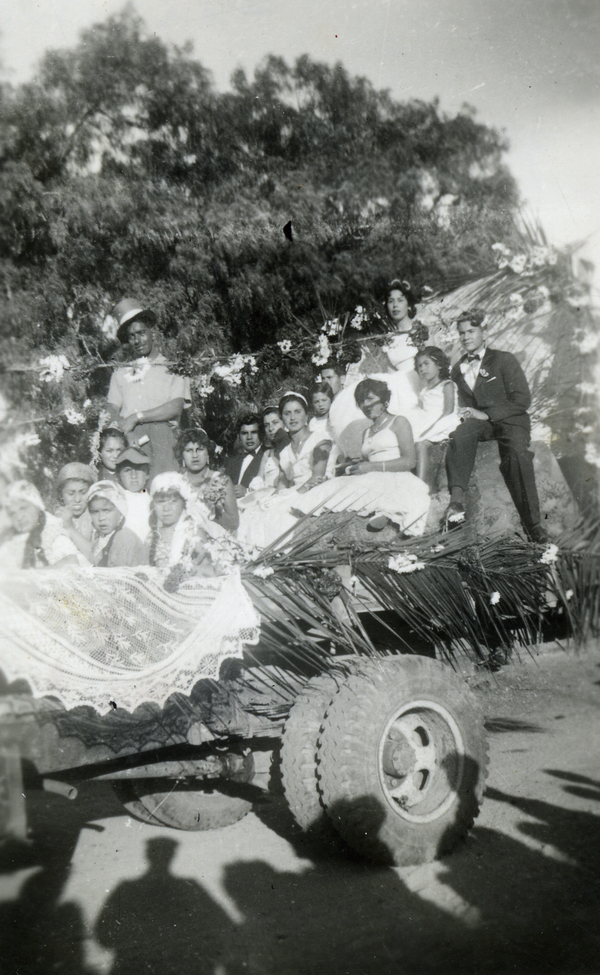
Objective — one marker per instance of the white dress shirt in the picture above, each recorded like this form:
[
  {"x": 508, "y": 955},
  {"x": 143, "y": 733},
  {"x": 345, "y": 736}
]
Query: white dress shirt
[
  {"x": 246, "y": 463},
  {"x": 470, "y": 370}
]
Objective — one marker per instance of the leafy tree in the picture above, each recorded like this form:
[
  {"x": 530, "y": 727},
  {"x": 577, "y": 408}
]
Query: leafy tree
[{"x": 124, "y": 172}]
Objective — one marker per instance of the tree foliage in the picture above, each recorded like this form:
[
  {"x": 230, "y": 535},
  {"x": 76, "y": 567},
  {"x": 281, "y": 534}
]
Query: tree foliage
[{"x": 123, "y": 171}]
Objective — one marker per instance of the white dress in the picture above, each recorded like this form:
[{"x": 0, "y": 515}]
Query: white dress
[
  {"x": 322, "y": 425},
  {"x": 400, "y": 496},
  {"x": 347, "y": 419},
  {"x": 137, "y": 518},
  {"x": 428, "y": 421},
  {"x": 269, "y": 515},
  {"x": 55, "y": 545}
]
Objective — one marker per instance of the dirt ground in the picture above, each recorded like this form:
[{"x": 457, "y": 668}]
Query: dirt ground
[{"x": 97, "y": 893}]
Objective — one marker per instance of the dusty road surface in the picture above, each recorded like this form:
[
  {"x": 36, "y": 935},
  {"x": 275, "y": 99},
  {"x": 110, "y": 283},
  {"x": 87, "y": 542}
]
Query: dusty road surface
[{"x": 97, "y": 892}]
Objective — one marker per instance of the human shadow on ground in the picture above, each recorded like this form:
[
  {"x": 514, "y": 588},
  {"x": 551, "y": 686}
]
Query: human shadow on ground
[
  {"x": 162, "y": 923},
  {"x": 38, "y": 934},
  {"x": 497, "y": 905},
  {"x": 494, "y": 906},
  {"x": 538, "y": 906}
]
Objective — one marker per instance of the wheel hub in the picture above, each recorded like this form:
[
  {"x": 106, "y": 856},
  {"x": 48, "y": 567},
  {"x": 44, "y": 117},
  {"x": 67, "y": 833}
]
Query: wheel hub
[{"x": 421, "y": 761}]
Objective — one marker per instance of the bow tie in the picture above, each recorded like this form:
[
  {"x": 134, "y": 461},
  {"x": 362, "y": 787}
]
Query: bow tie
[{"x": 472, "y": 356}]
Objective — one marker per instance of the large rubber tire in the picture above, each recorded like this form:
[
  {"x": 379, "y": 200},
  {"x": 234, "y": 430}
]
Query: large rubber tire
[
  {"x": 402, "y": 760},
  {"x": 185, "y": 805},
  {"x": 180, "y": 807},
  {"x": 299, "y": 750}
]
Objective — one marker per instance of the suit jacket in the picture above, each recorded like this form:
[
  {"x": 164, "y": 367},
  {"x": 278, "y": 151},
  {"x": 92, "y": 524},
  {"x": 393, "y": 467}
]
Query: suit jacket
[
  {"x": 501, "y": 389},
  {"x": 233, "y": 467}
]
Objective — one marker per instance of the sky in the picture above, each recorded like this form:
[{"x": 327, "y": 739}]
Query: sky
[{"x": 530, "y": 67}]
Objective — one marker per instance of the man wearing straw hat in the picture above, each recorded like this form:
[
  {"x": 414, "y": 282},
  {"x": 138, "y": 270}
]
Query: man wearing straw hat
[{"x": 147, "y": 397}]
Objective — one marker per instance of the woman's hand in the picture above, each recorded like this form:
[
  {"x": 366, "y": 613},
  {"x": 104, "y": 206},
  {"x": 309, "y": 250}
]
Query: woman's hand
[
  {"x": 309, "y": 484},
  {"x": 360, "y": 467}
]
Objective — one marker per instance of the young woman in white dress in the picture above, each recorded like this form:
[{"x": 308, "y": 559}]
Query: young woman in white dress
[
  {"x": 380, "y": 483},
  {"x": 392, "y": 364},
  {"x": 303, "y": 464}
]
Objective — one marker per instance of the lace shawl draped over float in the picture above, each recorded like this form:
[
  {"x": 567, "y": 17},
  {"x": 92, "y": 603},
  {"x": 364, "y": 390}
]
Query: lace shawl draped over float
[{"x": 92, "y": 636}]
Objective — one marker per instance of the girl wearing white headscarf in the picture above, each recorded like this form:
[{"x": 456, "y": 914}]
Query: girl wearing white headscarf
[
  {"x": 38, "y": 539},
  {"x": 183, "y": 537},
  {"x": 113, "y": 543},
  {"x": 72, "y": 484}
]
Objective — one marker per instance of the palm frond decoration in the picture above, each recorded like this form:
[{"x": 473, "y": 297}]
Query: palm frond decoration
[{"x": 447, "y": 594}]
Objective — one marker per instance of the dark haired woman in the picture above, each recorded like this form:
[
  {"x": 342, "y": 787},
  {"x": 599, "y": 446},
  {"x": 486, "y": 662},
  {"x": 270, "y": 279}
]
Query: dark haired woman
[
  {"x": 304, "y": 461},
  {"x": 381, "y": 482},
  {"x": 400, "y": 305},
  {"x": 213, "y": 488},
  {"x": 436, "y": 417},
  {"x": 111, "y": 443},
  {"x": 393, "y": 363},
  {"x": 303, "y": 465},
  {"x": 39, "y": 539}
]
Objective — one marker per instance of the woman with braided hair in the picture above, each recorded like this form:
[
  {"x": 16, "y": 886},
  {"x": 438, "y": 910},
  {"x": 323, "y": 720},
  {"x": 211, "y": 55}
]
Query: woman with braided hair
[{"x": 39, "y": 539}]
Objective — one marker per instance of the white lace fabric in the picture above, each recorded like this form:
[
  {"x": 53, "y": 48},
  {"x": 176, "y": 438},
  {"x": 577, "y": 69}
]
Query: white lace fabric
[{"x": 95, "y": 636}]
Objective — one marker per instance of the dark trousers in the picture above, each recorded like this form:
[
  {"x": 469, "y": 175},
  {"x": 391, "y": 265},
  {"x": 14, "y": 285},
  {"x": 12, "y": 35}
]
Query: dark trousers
[{"x": 516, "y": 462}]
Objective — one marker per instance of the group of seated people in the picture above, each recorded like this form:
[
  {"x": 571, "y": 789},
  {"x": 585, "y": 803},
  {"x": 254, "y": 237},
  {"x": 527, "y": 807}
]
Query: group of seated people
[
  {"x": 114, "y": 517},
  {"x": 294, "y": 459},
  {"x": 286, "y": 465}
]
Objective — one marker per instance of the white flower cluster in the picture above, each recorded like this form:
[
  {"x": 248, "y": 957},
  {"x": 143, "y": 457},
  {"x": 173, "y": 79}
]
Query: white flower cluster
[
  {"x": 203, "y": 386},
  {"x": 136, "y": 372},
  {"x": 332, "y": 327},
  {"x": 405, "y": 563},
  {"x": 516, "y": 308},
  {"x": 285, "y": 346},
  {"x": 550, "y": 555},
  {"x": 588, "y": 343},
  {"x": 524, "y": 263},
  {"x": 231, "y": 371},
  {"x": 359, "y": 318},
  {"x": 52, "y": 368},
  {"x": 323, "y": 353},
  {"x": 263, "y": 571},
  {"x": 495, "y": 598},
  {"x": 74, "y": 417}
]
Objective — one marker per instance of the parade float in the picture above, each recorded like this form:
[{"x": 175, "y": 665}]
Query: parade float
[{"x": 332, "y": 658}]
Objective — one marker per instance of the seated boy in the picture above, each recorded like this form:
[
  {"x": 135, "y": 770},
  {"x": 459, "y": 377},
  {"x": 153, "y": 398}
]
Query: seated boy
[
  {"x": 133, "y": 469},
  {"x": 493, "y": 401}
]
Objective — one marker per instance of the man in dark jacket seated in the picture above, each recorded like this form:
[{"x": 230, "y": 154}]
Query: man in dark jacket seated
[
  {"x": 243, "y": 466},
  {"x": 494, "y": 398}
]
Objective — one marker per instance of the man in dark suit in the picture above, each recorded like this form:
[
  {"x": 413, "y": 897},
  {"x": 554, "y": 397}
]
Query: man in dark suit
[
  {"x": 245, "y": 465},
  {"x": 493, "y": 398}
]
